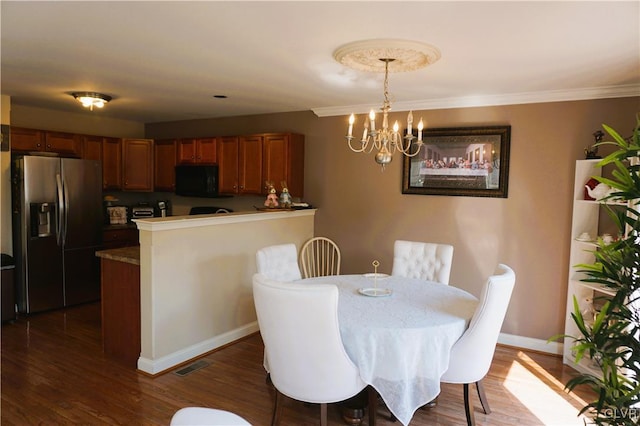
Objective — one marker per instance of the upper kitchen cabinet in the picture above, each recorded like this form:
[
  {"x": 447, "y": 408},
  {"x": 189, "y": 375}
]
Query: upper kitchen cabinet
[
  {"x": 240, "y": 165},
  {"x": 92, "y": 147},
  {"x": 197, "y": 151},
  {"x": 137, "y": 168},
  {"x": 111, "y": 164},
  {"x": 32, "y": 140},
  {"x": 164, "y": 165},
  {"x": 283, "y": 161}
]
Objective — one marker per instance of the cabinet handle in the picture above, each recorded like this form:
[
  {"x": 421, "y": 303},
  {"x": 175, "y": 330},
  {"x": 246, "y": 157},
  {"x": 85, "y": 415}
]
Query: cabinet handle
[
  {"x": 38, "y": 145},
  {"x": 49, "y": 146}
]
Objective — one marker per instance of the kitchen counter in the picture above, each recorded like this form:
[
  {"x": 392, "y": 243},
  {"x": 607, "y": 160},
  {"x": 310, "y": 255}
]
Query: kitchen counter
[{"x": 123, "y": 254}]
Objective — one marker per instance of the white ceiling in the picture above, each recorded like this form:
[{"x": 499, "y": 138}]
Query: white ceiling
[{"x": 164, "y": 61}]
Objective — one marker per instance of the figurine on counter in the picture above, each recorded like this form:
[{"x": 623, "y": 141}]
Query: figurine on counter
[
  {"x": 272, "y": 199},
  {"x": 285, "y": 197}
]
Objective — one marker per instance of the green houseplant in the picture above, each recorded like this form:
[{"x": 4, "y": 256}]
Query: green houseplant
[{"x": 612, "y": 339}]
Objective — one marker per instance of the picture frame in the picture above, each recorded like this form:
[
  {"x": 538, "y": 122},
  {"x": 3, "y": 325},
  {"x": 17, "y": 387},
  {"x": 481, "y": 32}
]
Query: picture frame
[{"x": 459, "y": 161}]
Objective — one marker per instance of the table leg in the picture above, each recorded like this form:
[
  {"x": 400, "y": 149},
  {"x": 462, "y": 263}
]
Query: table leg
[{"x": 353, "y": 409}]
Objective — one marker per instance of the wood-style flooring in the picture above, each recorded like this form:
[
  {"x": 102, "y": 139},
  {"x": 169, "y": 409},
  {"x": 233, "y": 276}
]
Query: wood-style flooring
[{"x": 54, "y": 373}]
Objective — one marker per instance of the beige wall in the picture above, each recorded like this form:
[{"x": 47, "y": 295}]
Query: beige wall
[
  {"x": 364, "y": 210},
  {"x": 6, "y": 245}
]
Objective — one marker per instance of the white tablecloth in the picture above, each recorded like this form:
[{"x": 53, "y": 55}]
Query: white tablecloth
[{"x": 401, "y": 343}]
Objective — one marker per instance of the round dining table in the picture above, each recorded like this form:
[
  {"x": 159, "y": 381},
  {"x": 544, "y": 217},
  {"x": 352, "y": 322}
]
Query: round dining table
[{"x": 399, "y": 332}]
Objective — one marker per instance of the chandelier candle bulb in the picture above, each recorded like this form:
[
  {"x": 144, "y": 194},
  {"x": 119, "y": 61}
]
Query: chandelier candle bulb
[
  {"x": 366, "y": 130},
  {"x": 420, "y": 127},
  {"x": 352, "y": 119},
  {"x": 372, "y": 118},
  {"x": 409, "y": 122}
]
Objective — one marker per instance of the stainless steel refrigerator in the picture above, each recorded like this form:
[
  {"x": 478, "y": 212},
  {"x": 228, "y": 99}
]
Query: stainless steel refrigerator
[{"x": 57, "y": 228}]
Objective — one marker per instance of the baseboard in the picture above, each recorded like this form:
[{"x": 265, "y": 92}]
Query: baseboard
[
  {"x": 157, "y": 366},
  {"x": 530, "y": 343}
]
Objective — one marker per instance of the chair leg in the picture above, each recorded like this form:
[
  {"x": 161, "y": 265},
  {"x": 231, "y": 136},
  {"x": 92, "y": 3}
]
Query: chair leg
[
  {"x": 323, "y": 414},
  {"x": 468, "y": 407},
  {"x": 276, "y": 409},
  {"x": 373, "y": 405},
  {"x": 483, "y": 397}
]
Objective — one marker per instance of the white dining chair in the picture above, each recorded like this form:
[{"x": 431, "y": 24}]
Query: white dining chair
[
  {"x": 304, "y": 351},
  {"x": 279, "y": 262},
  {"x": 320, "y": 256},
  {"x": 426, "y": 261},
  {"x": 202, "y": 416},
  {"x": 472, "y": 354}
]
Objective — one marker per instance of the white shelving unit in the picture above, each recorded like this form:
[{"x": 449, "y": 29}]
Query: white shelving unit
[{"x": 586, "y": 218}]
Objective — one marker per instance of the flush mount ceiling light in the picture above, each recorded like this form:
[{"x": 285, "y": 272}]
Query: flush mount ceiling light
[
  {"x": 91, "y": 99},
  {"x": 386, "y": 56}
]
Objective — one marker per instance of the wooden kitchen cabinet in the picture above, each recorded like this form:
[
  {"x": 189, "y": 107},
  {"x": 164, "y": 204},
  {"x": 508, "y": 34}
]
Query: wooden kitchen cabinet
[
  {"x": 33, "y": 140},
  {"x": 137, "y": 165},
  {"x": 164, "y": 165},
  {"x": 283, "y": 160},
  {"x": 120, "y": 237},
  {"x": 196, "y": 151},
  {"x": 112, "y": 164},
  {"x": 240, "y": 165},
  {"x": 92, "y": 147}
]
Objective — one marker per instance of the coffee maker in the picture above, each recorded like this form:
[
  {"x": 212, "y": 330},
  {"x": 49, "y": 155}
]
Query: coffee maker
[{"x": 163, "y": 208}]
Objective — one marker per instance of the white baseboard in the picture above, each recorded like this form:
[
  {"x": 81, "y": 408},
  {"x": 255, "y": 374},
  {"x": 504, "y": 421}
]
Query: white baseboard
[
  {"x": 530, "y": 343},
  {"x": 155, "y": 366}
]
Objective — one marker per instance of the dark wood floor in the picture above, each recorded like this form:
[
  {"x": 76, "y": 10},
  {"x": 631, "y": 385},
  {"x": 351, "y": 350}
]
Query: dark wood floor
[{"x": 54, "y": 373}]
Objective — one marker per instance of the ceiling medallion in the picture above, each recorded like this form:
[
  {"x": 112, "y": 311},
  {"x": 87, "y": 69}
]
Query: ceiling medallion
[{"x": 386, "y": 56}]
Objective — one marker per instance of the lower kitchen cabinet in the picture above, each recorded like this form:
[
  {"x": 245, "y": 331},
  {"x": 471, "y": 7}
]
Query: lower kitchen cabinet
[
  {"x": 120, "y": 282},
  {"x": 120, "y": 237}
]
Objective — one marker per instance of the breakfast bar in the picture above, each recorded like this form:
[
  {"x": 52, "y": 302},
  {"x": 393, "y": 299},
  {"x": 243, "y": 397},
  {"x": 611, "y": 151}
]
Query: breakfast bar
[{"x": 195, "y": 279}]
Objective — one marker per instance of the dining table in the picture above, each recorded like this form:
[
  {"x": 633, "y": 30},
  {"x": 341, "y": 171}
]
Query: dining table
[{"x": 399, "y": 332}]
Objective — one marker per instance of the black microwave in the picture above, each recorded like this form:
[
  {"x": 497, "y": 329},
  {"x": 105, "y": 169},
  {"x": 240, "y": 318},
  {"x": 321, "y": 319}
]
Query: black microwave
[{"x": 197, "y": 181}]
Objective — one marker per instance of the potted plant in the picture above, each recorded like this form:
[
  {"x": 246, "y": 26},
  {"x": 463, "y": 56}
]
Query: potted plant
[{"x": 612, "y": 339}]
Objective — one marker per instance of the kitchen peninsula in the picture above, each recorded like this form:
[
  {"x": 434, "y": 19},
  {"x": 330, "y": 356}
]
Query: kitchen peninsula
[{"x": 195, "y": 279}]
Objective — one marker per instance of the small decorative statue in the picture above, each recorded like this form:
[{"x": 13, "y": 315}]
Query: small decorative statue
[
  {"x": 592, "y": 152},
  {"x": 272, "y": 199},
  {"x": 285, "y": 197}
]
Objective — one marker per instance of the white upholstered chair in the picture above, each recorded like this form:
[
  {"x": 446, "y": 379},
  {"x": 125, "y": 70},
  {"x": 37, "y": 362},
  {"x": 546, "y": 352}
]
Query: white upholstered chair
[
  {"x": 304, "y": 351},
  {"x": 279, "y": 262},
  {"x": 427, "y": 261},
  {"x": 201, "y": 416},
  {"x": 320, "y": 256},
  {"x": 472, "y": 354}
]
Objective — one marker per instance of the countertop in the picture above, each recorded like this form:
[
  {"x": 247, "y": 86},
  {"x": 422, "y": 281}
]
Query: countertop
[{"x": 122, "y": 254}]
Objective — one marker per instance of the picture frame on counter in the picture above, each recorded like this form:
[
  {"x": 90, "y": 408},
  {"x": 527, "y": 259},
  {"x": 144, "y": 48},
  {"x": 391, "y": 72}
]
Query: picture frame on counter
[{"x": 464, "y": 161}]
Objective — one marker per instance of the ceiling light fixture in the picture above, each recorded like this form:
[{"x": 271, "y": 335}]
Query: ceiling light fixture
[
  {"x": 91, "y": 99},
  {"x": 394, "y": 56}
]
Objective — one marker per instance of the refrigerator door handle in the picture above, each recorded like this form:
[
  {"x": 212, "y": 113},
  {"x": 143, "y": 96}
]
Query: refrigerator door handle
[
  {"x": 61, "y": 210},
  {"x": 65, "y": 189}
]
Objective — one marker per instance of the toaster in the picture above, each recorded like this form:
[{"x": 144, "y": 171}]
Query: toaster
[{"x": 140, "y": 212}]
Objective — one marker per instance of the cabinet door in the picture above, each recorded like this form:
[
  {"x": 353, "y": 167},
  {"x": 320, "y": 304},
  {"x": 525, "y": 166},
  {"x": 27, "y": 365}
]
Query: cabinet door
[
  {"x": 123, "y": 237},
  {"x": 112, "y": 164},
  {"x": 137, "y": 169},
  {"x": 92, "y": 147},
  {"x": 206, "y": 151},
  {"x": 25, "y": 140},
  {"x": 164, "y": 165},
  {"x": 186, "y": 151},
  {"x": 284, "y": 162},
  {"x": 250, "y": 165},
  {"x": 228, "y": 150},
  {"x": 68, "y": 144}
]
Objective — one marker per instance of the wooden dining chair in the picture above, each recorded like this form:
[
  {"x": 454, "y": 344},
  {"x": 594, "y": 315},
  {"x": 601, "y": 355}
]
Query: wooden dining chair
[
  {"x": 426, "y": 261},
  {"x": 279, "y": 262},
  {"x": 472, "y": 354},
  {"x": 304, "y": 352},
  {"x": 320, "y": 256}
]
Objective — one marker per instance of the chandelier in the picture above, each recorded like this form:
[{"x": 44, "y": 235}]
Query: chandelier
[
  {"x": 91, "y": 99},
  {"x": 372, "y": 55}
]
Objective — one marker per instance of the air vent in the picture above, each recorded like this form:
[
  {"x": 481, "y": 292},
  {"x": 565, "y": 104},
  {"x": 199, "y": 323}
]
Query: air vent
[{"x": 191, "y": 368}]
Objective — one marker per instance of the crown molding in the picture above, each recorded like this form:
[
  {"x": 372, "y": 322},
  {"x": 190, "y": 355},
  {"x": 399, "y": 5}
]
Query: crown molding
[{"x": 606, "y": 92}]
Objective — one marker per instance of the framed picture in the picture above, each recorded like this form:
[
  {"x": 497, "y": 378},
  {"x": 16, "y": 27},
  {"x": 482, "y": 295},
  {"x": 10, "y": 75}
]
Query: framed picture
[{"x": 468, "y": 161}]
